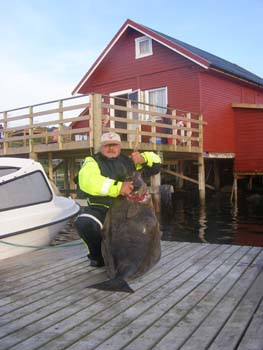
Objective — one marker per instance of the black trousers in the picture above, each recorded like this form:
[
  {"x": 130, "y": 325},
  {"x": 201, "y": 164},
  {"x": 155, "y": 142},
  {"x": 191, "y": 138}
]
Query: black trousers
[{"x": 89, "y": 225}]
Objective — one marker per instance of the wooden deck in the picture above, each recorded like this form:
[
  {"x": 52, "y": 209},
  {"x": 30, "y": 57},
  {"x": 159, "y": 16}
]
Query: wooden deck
[
  {"x": 199, "y": 296},
  {"x": 74, "y": 126}
]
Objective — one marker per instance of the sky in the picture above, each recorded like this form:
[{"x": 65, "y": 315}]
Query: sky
[{"x": 48, "y": 46}]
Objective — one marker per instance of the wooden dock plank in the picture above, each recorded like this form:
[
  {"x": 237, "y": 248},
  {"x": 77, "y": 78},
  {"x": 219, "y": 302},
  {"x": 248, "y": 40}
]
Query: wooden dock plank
[
  {"x": 79, "y": 281},
  {"x": 97, "y": 305},
  {"x": 141, "y": 302},
  {"x": 215, "y": 273},
  {"x": 253, "y": 338},
  {"x": 198, "y": 296},
  {"x": 164, "y": 304},
  {"x": 218, "y": 305},
  {"x": 237, "y": 324}
]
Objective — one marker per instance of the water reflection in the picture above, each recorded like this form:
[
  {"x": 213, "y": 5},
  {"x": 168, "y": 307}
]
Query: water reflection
[
  {"x": 202, "y": 223},
  {"x": 218, "y": 222}
]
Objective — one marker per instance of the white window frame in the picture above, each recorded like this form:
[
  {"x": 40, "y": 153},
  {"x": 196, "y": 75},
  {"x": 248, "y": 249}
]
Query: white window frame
[
  {"x": 138, "y": 41},
  {"x": 147, "y": 100},
  {"x": 112, "y": 96}
]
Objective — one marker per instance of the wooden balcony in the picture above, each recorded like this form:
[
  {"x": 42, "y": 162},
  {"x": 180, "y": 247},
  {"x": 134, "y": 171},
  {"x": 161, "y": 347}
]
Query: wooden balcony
[
  {"x": 70, "y": 129},
  {"x": 76, "y": 123}
]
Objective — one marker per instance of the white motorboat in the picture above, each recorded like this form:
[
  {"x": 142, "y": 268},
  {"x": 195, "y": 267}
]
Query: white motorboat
[{"x": 31, "y": 214}]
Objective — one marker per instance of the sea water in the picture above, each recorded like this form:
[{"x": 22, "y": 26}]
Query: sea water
[{"x": 220, "y": 221}]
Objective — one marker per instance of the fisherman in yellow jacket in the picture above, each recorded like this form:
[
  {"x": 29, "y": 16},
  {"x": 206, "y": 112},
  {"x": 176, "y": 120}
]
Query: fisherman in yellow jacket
[{"x": 103, "y": 177}]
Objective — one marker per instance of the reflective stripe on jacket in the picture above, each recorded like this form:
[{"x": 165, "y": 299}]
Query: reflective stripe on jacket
[{"x": 101, "y": 177}]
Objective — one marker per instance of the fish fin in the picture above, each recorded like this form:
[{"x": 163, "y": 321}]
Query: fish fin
[{"x": 114, "y": 285}]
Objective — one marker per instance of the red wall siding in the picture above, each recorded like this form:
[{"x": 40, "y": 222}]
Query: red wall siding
[
  {"x": 81, "y": 124},
  {"x": 217, "y": 95},
  {"x": 190, "y": 87},
  {"x": 120, "y": 71},
  {"x": 120, "y": 63},
  {"x": 249, "y": 143}
]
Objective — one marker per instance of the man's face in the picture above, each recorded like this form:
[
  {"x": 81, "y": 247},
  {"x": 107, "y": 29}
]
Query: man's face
[{"x": 111, "y": 150}]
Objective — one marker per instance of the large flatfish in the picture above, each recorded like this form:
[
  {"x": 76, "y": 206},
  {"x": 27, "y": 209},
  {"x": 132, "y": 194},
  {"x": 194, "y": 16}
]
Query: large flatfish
[{"x": 130, "y": 238}]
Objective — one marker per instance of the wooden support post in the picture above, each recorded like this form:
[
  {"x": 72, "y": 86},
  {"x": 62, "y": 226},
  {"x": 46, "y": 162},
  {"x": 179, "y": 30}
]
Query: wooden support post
[
  {"x": 33, "y": 155},
  {"x": 216, "y": 174},
  {"x": 201, "y": 179},
  {"x": 181, "y": 172},
  {"x": 24, "y": 141},
  {"x": 185, "y": 177},
  {"x": 201, "y": 163},
  {"x": 96, "y": 120},
  {"x": 72, "y": 184},
  {"x": 155, "y": 191},
  {"x": 250, "y": 183},
  {"x": 50, "y": 166}
]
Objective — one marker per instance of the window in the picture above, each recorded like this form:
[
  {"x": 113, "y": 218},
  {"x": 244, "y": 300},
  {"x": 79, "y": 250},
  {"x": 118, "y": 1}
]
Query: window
[
  {"x": 7, "y": 170},
  {"x": 24, "y": 191},
  {"x": 157, "y": 98},
  {"x": 143, "y": 47}
]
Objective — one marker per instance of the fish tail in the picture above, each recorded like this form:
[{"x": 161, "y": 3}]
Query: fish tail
[{"x": 114, "y": 285}]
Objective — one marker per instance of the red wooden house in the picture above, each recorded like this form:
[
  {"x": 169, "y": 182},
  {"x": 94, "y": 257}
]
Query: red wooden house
[{"x": 152, "y": 67}]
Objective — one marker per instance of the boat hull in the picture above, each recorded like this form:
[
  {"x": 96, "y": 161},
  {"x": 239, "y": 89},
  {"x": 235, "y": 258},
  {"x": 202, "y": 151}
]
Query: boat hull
[
  {"x": 28, "y": 241},
  {"x": 31, "y": 213}
]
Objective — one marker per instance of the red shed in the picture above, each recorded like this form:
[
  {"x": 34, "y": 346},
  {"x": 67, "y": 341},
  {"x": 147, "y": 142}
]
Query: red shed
[
  {"x": 249, "y": 140},
  {"x": 155, "y": 68}
]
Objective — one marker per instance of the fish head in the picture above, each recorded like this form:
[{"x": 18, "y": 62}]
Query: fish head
[{"x": 140, "y": 191}]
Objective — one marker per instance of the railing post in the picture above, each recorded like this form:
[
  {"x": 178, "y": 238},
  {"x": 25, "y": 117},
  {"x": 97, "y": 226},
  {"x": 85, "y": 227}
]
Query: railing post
[
  {"x": 188, "y": 132},
  {"x": 96, "y": 120},
  {"x": 174, "y": 129},
  {"x": 60, "y": 125},
  {"x": 5, "y": 144},
  {"x": 32, "y": 154},
  {"x": 91, "y": 120},
  {"x": 200, "y": 133}
]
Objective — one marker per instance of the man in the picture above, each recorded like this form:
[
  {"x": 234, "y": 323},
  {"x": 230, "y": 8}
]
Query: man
[{"x": 103, "y": 177}]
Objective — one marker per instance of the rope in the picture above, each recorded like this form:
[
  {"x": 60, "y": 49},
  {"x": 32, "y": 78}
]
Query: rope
[{"x": 65, "y": 245}]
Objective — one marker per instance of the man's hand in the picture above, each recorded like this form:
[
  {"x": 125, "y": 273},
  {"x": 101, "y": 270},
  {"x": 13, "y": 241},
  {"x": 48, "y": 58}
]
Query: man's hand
[
  {"x": 126, "y": 188},
  {"x": 137, "y": 158}
]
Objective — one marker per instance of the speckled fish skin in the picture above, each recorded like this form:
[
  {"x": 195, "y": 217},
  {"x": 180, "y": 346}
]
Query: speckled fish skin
[{"x": 131, "y": 239}]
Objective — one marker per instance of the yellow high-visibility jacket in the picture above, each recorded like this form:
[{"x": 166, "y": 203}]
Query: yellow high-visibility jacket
[{"x": 101, "y": 178}]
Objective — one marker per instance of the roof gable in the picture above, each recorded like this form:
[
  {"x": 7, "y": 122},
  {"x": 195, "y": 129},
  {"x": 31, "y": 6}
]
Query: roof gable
[{"x": 198, "y": 56}]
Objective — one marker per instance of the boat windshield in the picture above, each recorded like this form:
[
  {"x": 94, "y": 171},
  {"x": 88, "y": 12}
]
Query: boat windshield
[
  {"x": 7, "y": 170},
  {"x": 26, "y": 190}
]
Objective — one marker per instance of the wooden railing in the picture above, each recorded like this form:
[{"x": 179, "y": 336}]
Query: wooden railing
[{"x": 77, "y": 123}]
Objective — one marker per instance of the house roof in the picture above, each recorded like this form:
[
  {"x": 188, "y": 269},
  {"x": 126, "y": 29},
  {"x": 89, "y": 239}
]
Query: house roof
[
  {"x": 200, "y": 57},
  {"x": 217, "y": 62}
]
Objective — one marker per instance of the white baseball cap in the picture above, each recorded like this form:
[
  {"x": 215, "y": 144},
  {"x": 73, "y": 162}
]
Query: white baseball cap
[{"x": 110, "y": 138}]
